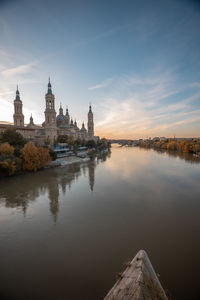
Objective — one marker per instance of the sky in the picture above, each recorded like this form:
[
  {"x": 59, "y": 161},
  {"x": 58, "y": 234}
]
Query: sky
[{"x": 136, "y": 62}]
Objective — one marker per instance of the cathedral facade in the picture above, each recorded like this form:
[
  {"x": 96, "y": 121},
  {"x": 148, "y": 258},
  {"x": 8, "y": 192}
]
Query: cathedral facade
[{"x": 53, "y": 125}]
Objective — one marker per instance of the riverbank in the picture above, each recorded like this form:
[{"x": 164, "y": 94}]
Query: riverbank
[{"x": 65, "y": 161}]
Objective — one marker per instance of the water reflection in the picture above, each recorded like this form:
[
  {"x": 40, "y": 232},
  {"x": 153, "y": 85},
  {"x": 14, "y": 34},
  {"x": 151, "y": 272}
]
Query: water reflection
[
  {"x": 19, "y": 191},
  {"x": 188, "y": 157},
  {"x": 83, "y": 221}
]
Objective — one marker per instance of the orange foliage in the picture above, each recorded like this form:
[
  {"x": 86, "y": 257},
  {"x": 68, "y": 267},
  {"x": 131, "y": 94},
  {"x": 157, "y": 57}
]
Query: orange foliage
[
  {"x": 44, "y": 156},
  {"x": 30, "y": 157},
  {"x": 33, "y": 157},
  {"x": 6, "y": 149},
  {"x": 172, "y": 146},
  {"x": 8, "y": 166}
]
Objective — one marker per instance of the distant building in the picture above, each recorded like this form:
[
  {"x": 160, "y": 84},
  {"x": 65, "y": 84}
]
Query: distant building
[
  {"x": 156, "y": 139},
  {"x": 53, "y": 126},
  {"x": 163, "y": 139}
]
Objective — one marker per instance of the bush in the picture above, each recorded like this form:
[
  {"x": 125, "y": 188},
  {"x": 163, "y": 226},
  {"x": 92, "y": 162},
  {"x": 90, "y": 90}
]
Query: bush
[{"x": 9, "y": 165}]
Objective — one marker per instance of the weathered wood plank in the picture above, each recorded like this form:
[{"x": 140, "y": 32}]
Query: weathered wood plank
[{"x": 138, "y": 282}]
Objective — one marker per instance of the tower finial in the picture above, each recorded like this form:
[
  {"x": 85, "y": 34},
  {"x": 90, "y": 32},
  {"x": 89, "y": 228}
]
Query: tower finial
[
  {"x": 17, "y": 94},
  {"x": 90, "y": 108},
  {"x": 49, "y": 87}
]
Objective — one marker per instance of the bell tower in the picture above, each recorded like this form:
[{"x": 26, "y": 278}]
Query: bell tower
[
  {"x": 18, "y": 116},
  {"x": 90, "y": 123},
  {"x": 50, "y": 115},
  {"x": 67, "y": 116}
]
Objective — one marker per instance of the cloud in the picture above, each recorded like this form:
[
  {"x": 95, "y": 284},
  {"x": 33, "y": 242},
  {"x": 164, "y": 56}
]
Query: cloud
[
  {"x": 195, "y": 85},
  {"x": 151, "y": 106},
  {"x": 21, "y": 69},
  {"x": 101, "y": 85}
]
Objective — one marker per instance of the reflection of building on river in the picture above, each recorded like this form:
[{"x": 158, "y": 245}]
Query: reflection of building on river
[
  {"x": 91, "y": 173},
  {"x": 55, "y": 184}
]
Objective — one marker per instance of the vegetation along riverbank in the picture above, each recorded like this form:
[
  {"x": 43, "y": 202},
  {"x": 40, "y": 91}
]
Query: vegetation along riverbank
[
  {"x": 181, "y": 145},
  {"x": 18, "y": 155}
]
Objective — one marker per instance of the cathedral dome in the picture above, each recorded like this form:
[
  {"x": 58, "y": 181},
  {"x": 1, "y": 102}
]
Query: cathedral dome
[{"x": 61, "y": 118}]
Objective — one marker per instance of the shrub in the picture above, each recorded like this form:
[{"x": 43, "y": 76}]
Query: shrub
[{"x": 9, "y": 165}]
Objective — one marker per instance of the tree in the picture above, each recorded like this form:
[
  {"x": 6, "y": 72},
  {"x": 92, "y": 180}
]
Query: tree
[
  {"x": 62, "y": 138},
  {"x": 172, "y": 146},
  {"x": 70, "y": 141},
  {"x": 44, "y": 156},
  {"x": 52, "y": 154},
  {"x": 47, "y": 141},
  {"x": 7, "y": 167},
  {"x": 30, "y": 157},
  {"x": 91, "y": 144},
  {"x": 12, "y": 137},
  {"x": 6, "y": 149}
]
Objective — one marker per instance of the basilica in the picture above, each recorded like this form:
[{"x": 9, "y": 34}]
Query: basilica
[{"x": 53, "y": 125}]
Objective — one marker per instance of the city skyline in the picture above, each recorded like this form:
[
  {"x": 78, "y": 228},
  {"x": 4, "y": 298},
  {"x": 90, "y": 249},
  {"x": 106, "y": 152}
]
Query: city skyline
[{"x": 137, "y": 63}]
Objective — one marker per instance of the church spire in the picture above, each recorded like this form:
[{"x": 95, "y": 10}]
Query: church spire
[
  {"x": 61, "y": 109},
  {"x": 17, "y": 98},
  {"x": 49, "y": 87},
  {"x": 90, "y": 123},
  {"x": 18, "y": 113},
  {"x": 31, "y": 119}
]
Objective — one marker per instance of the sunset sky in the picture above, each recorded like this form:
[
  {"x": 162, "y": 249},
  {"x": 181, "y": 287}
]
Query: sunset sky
[{"x": 137, "y": 62}]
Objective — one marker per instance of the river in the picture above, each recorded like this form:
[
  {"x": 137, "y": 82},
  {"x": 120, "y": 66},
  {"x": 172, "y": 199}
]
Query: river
[{"x": 66, "y": 232}]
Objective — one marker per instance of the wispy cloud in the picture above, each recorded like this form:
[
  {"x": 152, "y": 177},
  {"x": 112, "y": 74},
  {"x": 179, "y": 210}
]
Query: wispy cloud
[
  {"x": 147, "y": 109},
  {"x": 18, "y": 70},
  {"x": 101, "y": 85}
]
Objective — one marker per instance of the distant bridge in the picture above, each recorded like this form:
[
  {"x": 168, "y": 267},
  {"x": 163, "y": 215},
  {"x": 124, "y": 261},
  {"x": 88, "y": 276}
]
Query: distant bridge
[{"x": 121, "y": 142}]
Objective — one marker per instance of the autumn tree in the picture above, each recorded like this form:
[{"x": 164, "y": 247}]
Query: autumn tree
[
  {"x": 172, "y": 146},
  {"x": 44, "y": 156},
  {"x": 6, "y": 149},
  {"x": 30, "y": 157},
  {"x": 7, "y": 167}
]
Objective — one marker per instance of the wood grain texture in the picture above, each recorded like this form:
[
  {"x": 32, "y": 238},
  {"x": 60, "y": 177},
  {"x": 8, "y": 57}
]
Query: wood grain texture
[{"x": 138, "y": 282}]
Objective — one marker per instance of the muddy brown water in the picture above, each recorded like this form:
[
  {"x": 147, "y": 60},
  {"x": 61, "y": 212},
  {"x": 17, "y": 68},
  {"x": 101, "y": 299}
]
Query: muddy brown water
[{"x": 66, "y": 232}]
